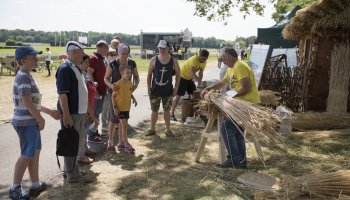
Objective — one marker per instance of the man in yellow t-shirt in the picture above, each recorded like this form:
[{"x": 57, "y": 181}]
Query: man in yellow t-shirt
[
  {"x": 189, "y": 69},
  {"x": 241, "y": 79}
]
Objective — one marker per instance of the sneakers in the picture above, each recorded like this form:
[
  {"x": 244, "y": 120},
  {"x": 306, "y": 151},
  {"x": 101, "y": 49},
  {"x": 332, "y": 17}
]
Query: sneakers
[
  {"x": 169, "y": 133},
  {"x": 35, "y": 191},
  {"x": 150, "y": 132},
  {"x": 173, "y": 118},
  {"x": 230, "y": 164},
  {"x": 18, "y": 194},
  {"x": 129, "y": 149},
  {"x": 90, "y": 152},
  {"x": 97, "y": 140},
  {"x": 85, "y": 160},
  {"x": 121, "y": 147}
]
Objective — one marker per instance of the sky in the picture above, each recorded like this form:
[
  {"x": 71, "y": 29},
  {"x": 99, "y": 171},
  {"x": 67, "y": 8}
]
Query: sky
[{"x": 126, "y": 16}]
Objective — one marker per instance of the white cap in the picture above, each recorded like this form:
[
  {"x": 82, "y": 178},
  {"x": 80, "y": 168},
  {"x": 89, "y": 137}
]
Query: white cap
[
  {"x": 72, "y": 45},
  {"x": 163, "y": 44}
]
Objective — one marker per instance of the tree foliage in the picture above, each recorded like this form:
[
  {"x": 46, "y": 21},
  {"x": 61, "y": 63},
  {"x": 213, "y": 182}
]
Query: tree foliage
[{"x": 220, "y": 10}]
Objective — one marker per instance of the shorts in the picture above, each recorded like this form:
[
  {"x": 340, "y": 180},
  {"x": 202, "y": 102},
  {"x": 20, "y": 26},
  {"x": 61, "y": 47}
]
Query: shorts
[
  {"x": 112, "y": 117},
  {"x": 186, "y": 85},
  {"x": 155, "y": 102},
  {"x": 124, "y": 115},
  {"x": 29, "y": 139}
]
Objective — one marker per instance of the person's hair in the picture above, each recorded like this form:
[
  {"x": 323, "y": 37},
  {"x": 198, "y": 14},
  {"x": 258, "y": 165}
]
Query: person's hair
[
  {"x": 118, "y": 38},
  {"x": 47, "y": 48},
  {"x": 85, "y": 56},
  {"x": 204, "y": 53},
  {"x": 123, "y": 67},
  {"x": 230, "y": 51}
]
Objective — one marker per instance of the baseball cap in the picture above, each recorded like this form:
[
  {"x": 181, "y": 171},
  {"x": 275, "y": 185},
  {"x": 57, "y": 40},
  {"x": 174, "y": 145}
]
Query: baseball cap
[
  {"x": 25, "y": 51},
  {"x": 73, "y": 45},
  {"x": 100, "y": 42},
  {"x": 163, "y": 44}
]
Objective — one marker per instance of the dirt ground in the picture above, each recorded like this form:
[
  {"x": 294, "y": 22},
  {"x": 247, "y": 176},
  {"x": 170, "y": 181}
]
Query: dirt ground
[
  {"x": 47, "y": 86},
  {"x": 164, "y": 168}
]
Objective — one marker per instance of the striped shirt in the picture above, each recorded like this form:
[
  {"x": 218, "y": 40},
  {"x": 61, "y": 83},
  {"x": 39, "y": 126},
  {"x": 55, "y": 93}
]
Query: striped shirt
[{"x": 24, "y": 84}]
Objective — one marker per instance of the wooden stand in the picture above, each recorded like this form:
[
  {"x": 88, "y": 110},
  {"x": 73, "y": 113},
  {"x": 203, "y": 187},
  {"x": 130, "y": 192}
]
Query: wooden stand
[{"x": 213, "y": 114}]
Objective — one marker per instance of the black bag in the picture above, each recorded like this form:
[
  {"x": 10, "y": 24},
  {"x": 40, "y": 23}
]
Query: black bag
[{"x": 67, "y": 144}]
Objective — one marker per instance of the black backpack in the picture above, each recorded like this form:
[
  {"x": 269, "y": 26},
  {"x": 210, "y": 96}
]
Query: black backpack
[{"x": 67, "y": 144}]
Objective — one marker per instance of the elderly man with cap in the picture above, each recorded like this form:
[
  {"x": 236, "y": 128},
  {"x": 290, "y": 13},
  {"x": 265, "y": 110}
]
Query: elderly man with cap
[
  {"x": 96, "y": 72},
  {"x": 28, "y": 122},
  {"x": 160, "y": 85},
  {"x": 113, "y": 75},
  {"x": 73, "y": 100}
]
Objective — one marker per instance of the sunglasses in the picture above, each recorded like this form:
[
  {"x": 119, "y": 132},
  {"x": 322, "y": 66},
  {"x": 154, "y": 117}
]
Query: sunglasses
[{"x": 203, "y": 58}]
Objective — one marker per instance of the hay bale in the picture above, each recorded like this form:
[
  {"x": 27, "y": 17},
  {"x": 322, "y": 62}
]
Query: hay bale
[
  {"x": 320, "y": 121},
  {"x": 269, "y": 98},
  {"x": 326, "y": 185},
  {"x": 339, "y": 79}
]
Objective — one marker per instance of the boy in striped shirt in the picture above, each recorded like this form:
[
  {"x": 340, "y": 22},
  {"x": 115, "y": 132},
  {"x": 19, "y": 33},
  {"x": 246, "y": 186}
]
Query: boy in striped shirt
[{"x": 28, "y": 122}]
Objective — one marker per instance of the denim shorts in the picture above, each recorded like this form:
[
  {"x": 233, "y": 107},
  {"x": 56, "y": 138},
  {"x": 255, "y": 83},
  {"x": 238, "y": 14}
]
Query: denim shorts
[{"x": 29, "y": 139}]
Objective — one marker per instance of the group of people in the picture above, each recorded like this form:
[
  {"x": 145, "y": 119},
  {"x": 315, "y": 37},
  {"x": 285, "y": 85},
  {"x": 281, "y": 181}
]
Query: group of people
[{"x": 103, "y": 83}]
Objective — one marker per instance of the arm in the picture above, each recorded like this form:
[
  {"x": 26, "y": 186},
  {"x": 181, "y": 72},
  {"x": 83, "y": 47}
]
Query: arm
[
  {"x": 108, "y": 74},
  {"x": 90, "y": 72},
  {"x": 91, "y": 114},
  {"x": 136, "y": 79},
  {"x": 200, "y": 77},
  {"x": 149, "y": 74},
  {"x": 67, "y": 119},
  {"x": 114, "y": 103},
  {"x": 133, "y": 100},
  {"x": 217, "y": 85},
  {"x": 194, "y": 75},
  {"x": 53, "y": 113},
  {"x": 246, "y": 87},
  {"x": 28, "y": 103},
  {"x": 177, "y": 76}
]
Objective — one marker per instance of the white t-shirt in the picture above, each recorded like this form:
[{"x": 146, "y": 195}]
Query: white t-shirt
[{"x": 47, "y": 56}]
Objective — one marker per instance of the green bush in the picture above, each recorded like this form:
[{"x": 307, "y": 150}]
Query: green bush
[{"x": 10, "y": 42}]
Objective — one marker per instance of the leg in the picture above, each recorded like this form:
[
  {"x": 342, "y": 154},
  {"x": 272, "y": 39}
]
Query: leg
[
  {"x": 105, "y": 112},
  {"x": 33, "y": 167},
  {"x": 154, "y": 118},
  {"x": 48, "y": 67},
  {"x": 124, "y": 127},
  {"x": 167, "y": 101},
  {"x": 234, "y": 141},
  {"x": 20, "y": 167},
  {"x": 174, "y": 104},
  {"x": 111, "y": 131}
]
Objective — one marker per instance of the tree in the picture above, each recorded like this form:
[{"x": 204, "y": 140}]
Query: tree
[
  {"x": 283, "y": 6},
  {"x": 220, "y": 10}
]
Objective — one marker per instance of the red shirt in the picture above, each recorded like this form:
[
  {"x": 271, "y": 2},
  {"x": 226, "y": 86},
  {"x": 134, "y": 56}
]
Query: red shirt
[{"x": 97, "y": 63}]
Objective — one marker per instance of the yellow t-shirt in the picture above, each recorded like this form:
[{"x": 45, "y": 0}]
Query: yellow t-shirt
[
  {"x": 190, "y": 63},
  {"x": 239, "y": 71},
  {"x": 123, "y": 98}
]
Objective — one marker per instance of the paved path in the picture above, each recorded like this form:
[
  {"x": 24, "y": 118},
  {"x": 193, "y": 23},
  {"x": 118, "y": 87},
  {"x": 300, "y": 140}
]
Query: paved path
[{"x": 9, "y": 143}]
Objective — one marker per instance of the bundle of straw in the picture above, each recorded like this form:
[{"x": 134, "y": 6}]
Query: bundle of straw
[
  {"x": 320, "y": 121},
  {"x": 331, "y": 185},
  {"x": 269, "y": 98},
  {"x": 259, "y": 121}
]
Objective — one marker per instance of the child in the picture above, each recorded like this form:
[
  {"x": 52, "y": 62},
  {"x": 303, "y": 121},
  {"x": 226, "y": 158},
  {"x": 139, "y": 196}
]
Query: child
[
  {"x": 91, "y": 87},
  {"x": 121, "y": 99},
  {"x": 28, "y": 122}
]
